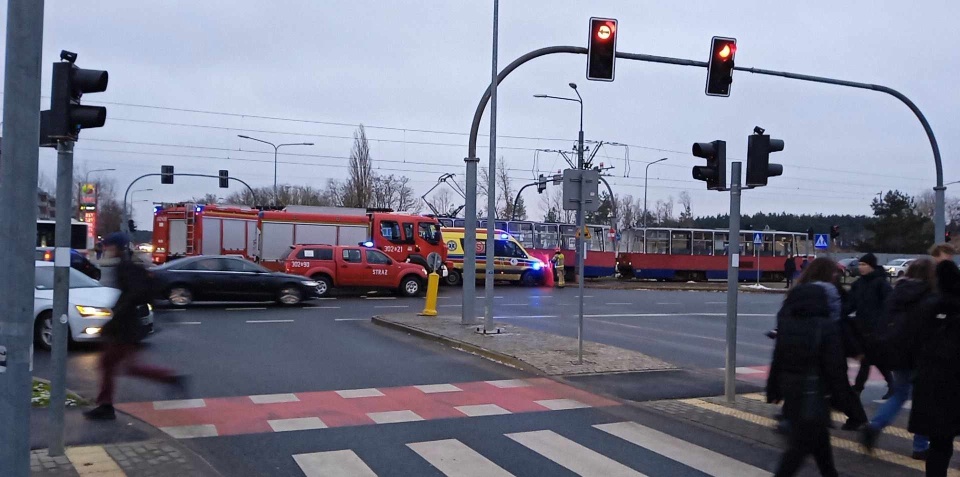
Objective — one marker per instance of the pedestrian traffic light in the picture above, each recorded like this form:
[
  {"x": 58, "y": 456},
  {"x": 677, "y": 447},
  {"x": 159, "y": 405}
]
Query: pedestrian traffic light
[
  {"x": 720, "y": 66},
  {"x": 131, "y": 225},
  {"x": 602, "y": 49},
  {"x": 946, "y": 237},
  {"x": 759, "y": 147},
  {"x": 224, "y": 179},
  {"x": 166, "y": 174},
  {"x": 810, "y": 233},
  {"x": 715, "y": 172},
  {"x": 67, "y": 116},
  {"x": 541, "y": 184},
  {"x": 834, "y": 231}
]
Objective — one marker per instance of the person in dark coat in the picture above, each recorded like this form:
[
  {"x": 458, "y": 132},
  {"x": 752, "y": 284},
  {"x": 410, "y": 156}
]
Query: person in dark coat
[
  {"x": 936, "y": 392},
  {"x": 911, "y": 302},
  {"x": 807, "y": 367},
  {"x": 124, "y": 331},
  {"x": 867, "y": 297},
  {"x": 789, "y": 269}
]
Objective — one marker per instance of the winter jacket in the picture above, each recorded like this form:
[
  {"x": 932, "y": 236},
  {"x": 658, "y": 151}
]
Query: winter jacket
[
  {"x": 790, "y": 267},
  {"x": 805, "y": 309},
  {"x": 136, "y": 291},
  {"x": 936, "y": 388},
  {"x": 868, "y": 296},
  {"x": 898, "y": 336}
]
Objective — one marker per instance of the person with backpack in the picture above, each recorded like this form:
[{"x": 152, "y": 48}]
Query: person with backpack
[
  {"x": 936, "y": 388},
  {"x": 867, "y": 297},
  {"x": 125, "y": 330},
  {"x": 911, "y": 301},
  {"x": 807, "y": 368}
]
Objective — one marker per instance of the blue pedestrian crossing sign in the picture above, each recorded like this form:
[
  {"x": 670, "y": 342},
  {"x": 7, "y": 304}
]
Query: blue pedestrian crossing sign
[
  {"x": 757, "y": 239},
  {"x": 821, "y": 241}
]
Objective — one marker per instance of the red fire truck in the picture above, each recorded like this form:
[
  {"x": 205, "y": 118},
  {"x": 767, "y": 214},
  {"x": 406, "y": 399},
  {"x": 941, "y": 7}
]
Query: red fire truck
[{"x": 184, "y": 230}]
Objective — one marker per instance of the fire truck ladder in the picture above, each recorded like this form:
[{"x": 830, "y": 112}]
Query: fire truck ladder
[{"x": 191, "y": 220}]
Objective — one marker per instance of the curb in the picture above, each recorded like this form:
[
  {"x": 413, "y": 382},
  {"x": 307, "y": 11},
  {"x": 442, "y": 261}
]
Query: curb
[{"x": 678, "y": 287}]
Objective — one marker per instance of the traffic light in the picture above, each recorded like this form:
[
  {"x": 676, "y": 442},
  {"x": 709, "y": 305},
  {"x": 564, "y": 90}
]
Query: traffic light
[
  {"x": 946, "y": 237},
  {"x": 834, "y": 232},
  {"x": 67, "y": 116},
  {"x": 715, "y": 172},
  {"x": 720, "y": 66},
  {"x": 541, "y": 184},
  {"x": 131, "y": 225},
  {"x": 601, "y": 49},
  {"x": 224, "y": 179},
  {"x": 759, "y": 147},
  {"x": 810, "y": 233},
  {"x": 166, "y": 174}
]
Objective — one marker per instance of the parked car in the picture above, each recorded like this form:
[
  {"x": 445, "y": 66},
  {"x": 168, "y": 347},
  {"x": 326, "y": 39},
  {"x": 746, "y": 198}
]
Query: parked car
[
  {"x": 897, "y": 267},
  {"x": 90, "y": 307},
  {"x": 849, "y": 266},
  {"x": 223, "y": 278},
  {"x": 77, "y": 261},
  {"x": 345, "y": 267}
]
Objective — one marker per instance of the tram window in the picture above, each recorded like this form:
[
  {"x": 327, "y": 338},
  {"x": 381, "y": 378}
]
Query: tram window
[
  {"x": 766, "y": 249},
  {"x": 637, "y": 241},
  {"x": 703, "y": 243},
  {"x": 658, "y": 241},
  {"x": 784, "y": 245},
  {"x": 547, "y": 237},
  {"x": 720, "y": 243},
  {"x": 680, "y": 243},
  {"x": 746, "y": 244}
]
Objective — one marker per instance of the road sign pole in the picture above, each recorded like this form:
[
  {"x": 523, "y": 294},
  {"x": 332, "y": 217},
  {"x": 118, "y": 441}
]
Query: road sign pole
[
  {"x": 733, "y": 272},
  {"x": 756, "y": 253},
  {"x": 581, "y": 247},
  {"x": 61, "y": 292}
]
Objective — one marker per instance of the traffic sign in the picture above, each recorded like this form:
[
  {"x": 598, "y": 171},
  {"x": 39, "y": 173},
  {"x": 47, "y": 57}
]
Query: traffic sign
[
  {"x": 757, "y": 239},
  {"x": 821, "y": 241}
]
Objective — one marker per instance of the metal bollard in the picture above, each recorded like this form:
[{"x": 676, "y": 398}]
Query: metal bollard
[{"x": 433, "y": 288}]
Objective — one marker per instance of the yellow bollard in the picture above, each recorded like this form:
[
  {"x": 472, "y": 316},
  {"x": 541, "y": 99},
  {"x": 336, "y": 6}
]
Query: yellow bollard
[{"x": 433, "y": 288}]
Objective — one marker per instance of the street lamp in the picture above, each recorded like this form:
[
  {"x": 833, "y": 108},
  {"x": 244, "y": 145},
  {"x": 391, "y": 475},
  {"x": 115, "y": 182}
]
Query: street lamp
[
  {"x": 954, "y": 182},
  {"x": 645, "y": 173},
  {"x": 276, "y": 149},
  {"x": 133, "y": 192}
]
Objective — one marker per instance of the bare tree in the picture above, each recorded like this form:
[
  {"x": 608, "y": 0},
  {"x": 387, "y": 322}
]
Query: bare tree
[
  {"x": 444, "y": 202},
  {"x": 552, "y": 201},
  {"x": 358, "y": 189},
  {"x": 663, "y": 211},
  {"x": 394, "y": 192},
  {"x": 686, "y": 212}
]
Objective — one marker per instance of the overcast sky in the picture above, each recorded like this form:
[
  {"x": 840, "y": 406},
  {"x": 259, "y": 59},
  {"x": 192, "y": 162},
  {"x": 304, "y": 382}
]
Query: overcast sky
[{"x": 412, "y": 72}]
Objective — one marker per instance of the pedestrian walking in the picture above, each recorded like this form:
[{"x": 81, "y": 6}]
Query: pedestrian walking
[
  {"x": 558, "y": 267},
  {"x": 789, "y": 269},
  {"x": 125, "y": 330},
  {"x": 936, "y": 392},
  {"x": 807, "y": 367},
  {"x": 867, "y": 297},
  {"x": 912, "y": 301}
]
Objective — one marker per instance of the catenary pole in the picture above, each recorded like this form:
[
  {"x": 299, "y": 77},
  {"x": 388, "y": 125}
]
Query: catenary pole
[{"x": 490, "y": 249}]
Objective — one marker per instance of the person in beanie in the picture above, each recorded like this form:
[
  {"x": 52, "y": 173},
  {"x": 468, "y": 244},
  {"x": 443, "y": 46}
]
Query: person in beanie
[
  {"x": 789, "y": 269},
  {"x": 125, "y": 330},
  {"x": 868, "y": 296}
]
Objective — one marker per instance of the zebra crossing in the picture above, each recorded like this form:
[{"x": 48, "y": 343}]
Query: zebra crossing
[{"x": 579, "y": 455}]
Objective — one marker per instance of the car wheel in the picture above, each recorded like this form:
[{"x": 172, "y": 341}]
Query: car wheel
[
  {"x": 290, "y": 295},
  {"x": 179, "y": 295},
  {"x": 324, "y": 285},
  {"x": 527, "y": 279},
  {"x": 411, "y": 286},
  {"x": 453, "y": 278},
  {"x": 43, "y": 331}
]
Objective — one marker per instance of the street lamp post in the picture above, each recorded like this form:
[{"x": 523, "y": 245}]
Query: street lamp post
[
  {"x": 276, "y": 149},
  {"x": 132, "y": 201},
  {"x": 646, "y": 172}
]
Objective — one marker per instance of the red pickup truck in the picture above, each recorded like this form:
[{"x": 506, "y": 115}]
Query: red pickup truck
[{"x": 339, "y": 266}]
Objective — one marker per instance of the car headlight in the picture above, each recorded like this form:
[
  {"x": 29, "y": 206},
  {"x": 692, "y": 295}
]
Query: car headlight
[
  {"x": 310, "y": 283},
  {"x": 537, "y": 265},
  {"x": 149, "y": 307},
  {"x": 93, "y": 311}
]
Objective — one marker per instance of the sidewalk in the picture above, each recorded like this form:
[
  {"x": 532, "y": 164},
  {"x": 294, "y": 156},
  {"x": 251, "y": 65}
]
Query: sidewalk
[
  {"x": 531, "y": 350},
  {"x": 714, "y": 286}
]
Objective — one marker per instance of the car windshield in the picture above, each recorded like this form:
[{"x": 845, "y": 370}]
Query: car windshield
[
  {"x": 44, "y": 276},
  {"x": 897, "y": 263}
]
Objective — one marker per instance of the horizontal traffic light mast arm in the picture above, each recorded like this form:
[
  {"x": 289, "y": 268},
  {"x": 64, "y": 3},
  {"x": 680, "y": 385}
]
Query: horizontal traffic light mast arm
[{"x": 125, "y": 194}]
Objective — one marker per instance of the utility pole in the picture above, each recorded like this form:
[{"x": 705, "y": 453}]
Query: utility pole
[
  {"x": 61, "y": 297},
  {"x": 490, "y": 249},
  {"x": 733, "y": 277},
  {"x": 18, "y": 226}
]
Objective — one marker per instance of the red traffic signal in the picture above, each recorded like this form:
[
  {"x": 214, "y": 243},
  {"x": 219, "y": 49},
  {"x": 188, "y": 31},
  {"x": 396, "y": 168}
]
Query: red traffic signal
[
  {"x": 601, "y": 49},
  {"x": 720, "y": 66}
]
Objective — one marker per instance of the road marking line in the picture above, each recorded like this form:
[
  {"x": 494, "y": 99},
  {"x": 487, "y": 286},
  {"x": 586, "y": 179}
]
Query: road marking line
[
  {"x": 438, "y": 388},
  {"x": 191, "y": 432},
  {"x": 748, "y": 370},
  {"x": 392, "y": 417},
  {"x": 573, "y": 456},
  {"x": 611, "y": 304},
  {"x": 562, "y": 404},
  {"x": 690, "y": 455},
  {"x": 498, "y": 297},
  {"x": 379, "y": 297},
  {"x": 296, "y": 424},
  {"x": 183, "y": 323},
  {"x": 351, "y": 319},
  {"x": 269, "y": 321},
  {"x": 250, "y": 308},
  {"x": 515, "y": 304},
  {"x": 669, "y": 303},
  {"x": 171, "y": 310},
  {"x": 93, "y": 461},
  {"x": 509, "y": 383},
  {"x": 324, "y": 298},
  {"x": 715, "y": 303},
  {"x": 360, "y": 393},
  {"x": 455, "y": 459},
  {"x": 522, "y": 317},
  {"x": 321, "y": 308},
  {"x": 478, "y": 410},
  {"x": 274, "y": 398},
  {"x": 656, "y": 315},
  {"x": 393, "y": 306},
  {"x": 325, "y": 464},
  {"x": 443, "y": 297},
  {"x": 178, "y": 404},
  {"x": 836, "y": 442},
  {"x": 450, "y": 306}
]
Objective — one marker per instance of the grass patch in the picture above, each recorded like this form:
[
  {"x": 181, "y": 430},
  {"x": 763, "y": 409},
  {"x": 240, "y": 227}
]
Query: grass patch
[{"x": 41, "y": 395}]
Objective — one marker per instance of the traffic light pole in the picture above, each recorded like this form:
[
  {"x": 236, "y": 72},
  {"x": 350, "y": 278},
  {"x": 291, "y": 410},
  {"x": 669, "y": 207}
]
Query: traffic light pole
[
  {"x": 61, "y": 297},
  {"x": 124, "y": 224},
  {"x": 18, "y": 224},
  {"x": 581, "y": 248},
  {"x": 733, "y": 277},
  {"x": 490, "y": 249}
]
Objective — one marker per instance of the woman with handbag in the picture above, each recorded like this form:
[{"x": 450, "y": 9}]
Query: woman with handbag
[{"x": 808, "y": 368}]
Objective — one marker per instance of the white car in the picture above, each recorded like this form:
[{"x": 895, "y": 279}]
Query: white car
[
  {"x": 897, "y": 267},
  {"x": 88, "y": 310}
]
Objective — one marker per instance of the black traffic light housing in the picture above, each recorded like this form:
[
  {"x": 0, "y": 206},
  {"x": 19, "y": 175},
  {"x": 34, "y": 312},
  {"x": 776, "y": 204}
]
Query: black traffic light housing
[
  {"x": 224, "y": 179},
  {"x": 720, "y": 66},
  {"x": 166, "y": 174},
  {"x": 834, "y": 232},
  {"x": 67, "y": 116},
  {"x": 759, "y": 168},
  {"x": 810, "y": 233},
  {"x": 946, "y": 236},
  {"x": 541, "y": 184},
  {"x": 602, "y": 49},
  {"x": 131, "y": 225},
  {"x": 715, "y": 172}
]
